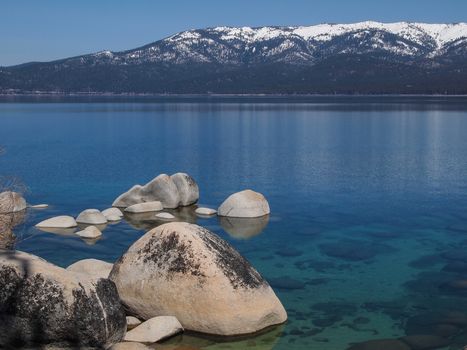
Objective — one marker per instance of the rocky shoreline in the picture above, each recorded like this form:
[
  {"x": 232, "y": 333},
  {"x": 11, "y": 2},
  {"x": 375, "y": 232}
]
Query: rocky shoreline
[{"x": 178, "y": 276}]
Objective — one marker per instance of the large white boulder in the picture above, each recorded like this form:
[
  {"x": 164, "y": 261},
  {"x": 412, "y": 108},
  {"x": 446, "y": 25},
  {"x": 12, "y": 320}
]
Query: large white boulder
[
  {"x": 91, "y": 217},
  {"x": 244, "y": 204},
  {"x": 92, "y": 268},
  {"x": 44, "y": 303},
  {"x": 11, "y": 202},
  {"x": 161, "y": 189},
  {"x": 172, "y": 191},
  {"x": 187, "y": 188},
  {"x": 186, "y": 271},
  {"x": 155, "y": 329},
  {"x": 63, "y": 221},
  {"x": 146, "y": 207}
]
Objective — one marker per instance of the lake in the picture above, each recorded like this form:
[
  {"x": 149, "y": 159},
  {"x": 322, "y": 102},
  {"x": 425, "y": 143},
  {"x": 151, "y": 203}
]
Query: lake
[{"x": 367, "y": 237}]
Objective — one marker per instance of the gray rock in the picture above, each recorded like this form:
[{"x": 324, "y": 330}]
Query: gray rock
[
  {"x": 155, "y": 329},
  {"x": 132, "y": 322},
  {"x": 244, "y": 204},
  {"x": 91, "y": 217},
  {"x": 89, "y": 232},
  {"x": 41, "y": 302},
  {"x": 59, "y": 222},
  {"x": 112, "y": 213},
  {"x": 92, "y": 268},
  {"x": 144, "y": 207},
  {"x": 130, "y": 346},
  {"x": 205, "y": 211},
  {"x": 161, "y": 189},
  {"x": 165, "y": 216},
  {"x": 132, "y": 196},
  {"x": 231, "y": 297},
  {"x": 187, "y": 188},
  {"x": 39, "y": 206},
  {"x": 11, "y": 202}
]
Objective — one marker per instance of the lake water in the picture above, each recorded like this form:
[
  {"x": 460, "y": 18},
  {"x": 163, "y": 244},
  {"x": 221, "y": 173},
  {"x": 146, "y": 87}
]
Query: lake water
[{"x": 368, "y": 233}]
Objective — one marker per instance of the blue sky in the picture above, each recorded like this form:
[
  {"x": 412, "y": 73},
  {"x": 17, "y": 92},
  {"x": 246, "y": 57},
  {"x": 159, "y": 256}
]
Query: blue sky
[{"x": 40, "y": 30}]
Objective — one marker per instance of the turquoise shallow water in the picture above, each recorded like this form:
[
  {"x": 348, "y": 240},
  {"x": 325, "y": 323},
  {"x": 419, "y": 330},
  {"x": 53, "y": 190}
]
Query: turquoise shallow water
[{"x": 368, "y": 233}]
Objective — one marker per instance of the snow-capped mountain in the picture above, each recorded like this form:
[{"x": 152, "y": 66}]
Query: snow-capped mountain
[{"x": 304, "y": 58}]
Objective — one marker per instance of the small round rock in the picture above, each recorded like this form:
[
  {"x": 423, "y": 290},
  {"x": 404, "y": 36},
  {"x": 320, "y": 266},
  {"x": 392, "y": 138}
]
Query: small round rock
[
  {"x": 165, "y": 216},
  {"x": 91, "y": 217},
  {"x": 89, "y": 232},
  {"x": 205, "y": 211}
]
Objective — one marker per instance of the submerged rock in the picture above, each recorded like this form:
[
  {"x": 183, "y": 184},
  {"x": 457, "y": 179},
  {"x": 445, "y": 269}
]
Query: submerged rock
[
  {"x": 63, "y": 221},
  {"x": 244, "y": 204},
  {"x": 425, "y": 342},
  {"x": 187, "y": 188},
  {"x": 155, "y": 329},
  {"x": 178, "y": 267},
  {"x": 43, "y": 303},
  {"x": 146, "y": 207},
  {"x": 11, "y": 202},
  {"x": 91, "y": 217},
  {"x": 381, "y": 344},
  {"x": 92, "y": 268}
]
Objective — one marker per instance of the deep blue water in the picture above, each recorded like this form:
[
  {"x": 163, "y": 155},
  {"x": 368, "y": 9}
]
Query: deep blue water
[{"x": 368, "y": 233}]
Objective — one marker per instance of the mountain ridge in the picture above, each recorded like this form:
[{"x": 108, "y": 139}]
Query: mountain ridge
[{"x": 364, "y": 57}]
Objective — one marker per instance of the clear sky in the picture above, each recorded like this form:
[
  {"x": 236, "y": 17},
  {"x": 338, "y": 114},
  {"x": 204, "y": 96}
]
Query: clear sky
[{"x": 41, "y": 30}]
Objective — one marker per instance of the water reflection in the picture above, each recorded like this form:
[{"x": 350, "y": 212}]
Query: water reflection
[{"x": 244, "y": 228}]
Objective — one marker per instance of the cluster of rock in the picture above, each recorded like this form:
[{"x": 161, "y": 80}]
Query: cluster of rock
[
  {"x": 12, "y": 213},
  {"x": 156, "y": 281}
]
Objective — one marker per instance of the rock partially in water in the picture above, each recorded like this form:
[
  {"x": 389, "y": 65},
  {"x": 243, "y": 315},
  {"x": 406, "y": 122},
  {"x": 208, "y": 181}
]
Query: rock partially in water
[
  {"x": 91, "y": 232},
  {"x": 205, "y": 211},
  {"x": 132, "y": 196},
  {"x": 187, "y": 188},
  {"x": 91, "y": 217},
  {"x": 154, "y": 330},
  {"x": 131, "y": 346},
  {"x": 59, "y": 222},
  {"x": 146, "y": 207},
  {"x": 244, "y": 228},
  {"x": 43, "y": 303},
  {"x": 112, "y": 213},
  {"x": 39, "y": 206},
  {"x": 161, "y": 189},
  {"x": 224, "y": 293},
  {"x": 244, "y": 204},
  {"x": 92, "y": 268},
  {"x": 381, "y": 344},
  {"x": 425, "y": 342},
  {"x": 11, "y": 202},
  {"x": 165, "y": 216}
]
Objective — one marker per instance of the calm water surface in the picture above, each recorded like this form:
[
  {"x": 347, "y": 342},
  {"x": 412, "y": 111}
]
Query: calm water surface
[{"x": 368, "y": 233}]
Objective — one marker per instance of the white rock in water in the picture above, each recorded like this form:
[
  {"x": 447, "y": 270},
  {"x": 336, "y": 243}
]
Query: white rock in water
[
  {"x": 43, "y": 296},
  {"x": 154, "y": 330},
  {"x": 202, "y": 274},
  {"x": 165, "y": 216},
  {"x": 11, "y": 202},
  {"x": 91, "y": 217},
  {"x": 39, "y": 206},
  {"x": 89, "y": 232},
  {"x": 244, "y": 204},
  {"x": 162, "y": 189},
  {"x": 187, "y": 188},
  {"x": 145, "y": 207},
  {"x": 132, "y": 322},
  {"x": 113, "y": 218},
  {"x": 112, "y": 212},
  {"x": 205, "y": 211},
  {"x": 132, "y": 196},
  {"x": 92, "y": 268},
  {"x": 63, "y": 221}
]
